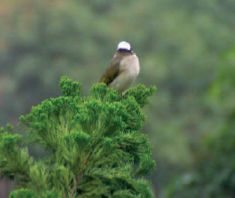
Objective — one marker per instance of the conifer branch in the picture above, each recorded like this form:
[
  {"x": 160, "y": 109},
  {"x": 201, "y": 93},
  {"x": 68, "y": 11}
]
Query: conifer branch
[{"x": 90, "y": 146}]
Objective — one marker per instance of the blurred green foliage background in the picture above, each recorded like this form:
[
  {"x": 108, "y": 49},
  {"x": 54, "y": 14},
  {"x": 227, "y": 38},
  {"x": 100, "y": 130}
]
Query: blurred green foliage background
[{"x": 186, "y": 48}]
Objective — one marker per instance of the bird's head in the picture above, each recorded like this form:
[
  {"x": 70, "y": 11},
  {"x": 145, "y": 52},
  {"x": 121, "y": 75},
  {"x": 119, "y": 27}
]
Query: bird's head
[{"x": 124, "y": 46}]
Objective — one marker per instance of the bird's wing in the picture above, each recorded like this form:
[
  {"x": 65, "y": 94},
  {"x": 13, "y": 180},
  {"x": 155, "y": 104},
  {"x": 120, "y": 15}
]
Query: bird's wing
[{"x": 112, "y": 71}]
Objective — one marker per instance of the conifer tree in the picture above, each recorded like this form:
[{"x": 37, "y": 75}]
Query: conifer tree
[{"x": 92, "y": 146}]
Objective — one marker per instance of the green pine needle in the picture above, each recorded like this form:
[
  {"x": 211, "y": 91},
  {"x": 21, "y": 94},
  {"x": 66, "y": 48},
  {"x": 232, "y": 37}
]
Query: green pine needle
[{"x": 90, "y": 146}]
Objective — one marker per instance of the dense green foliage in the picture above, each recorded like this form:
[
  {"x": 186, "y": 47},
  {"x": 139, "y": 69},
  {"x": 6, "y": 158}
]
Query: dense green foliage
[
  {"x": 92, "y": 146},
  {"x": 182, "y": 45}
]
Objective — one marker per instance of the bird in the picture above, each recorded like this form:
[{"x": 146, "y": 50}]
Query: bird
[{"x": 123, "y": 68}]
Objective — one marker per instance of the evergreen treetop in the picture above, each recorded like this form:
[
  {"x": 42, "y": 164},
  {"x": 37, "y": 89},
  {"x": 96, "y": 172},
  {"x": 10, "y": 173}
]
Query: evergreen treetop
[{"x": 92, "y": 147}]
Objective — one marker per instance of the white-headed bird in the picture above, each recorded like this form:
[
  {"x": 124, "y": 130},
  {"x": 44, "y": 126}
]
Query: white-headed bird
[{"x": 123, "y": 69}]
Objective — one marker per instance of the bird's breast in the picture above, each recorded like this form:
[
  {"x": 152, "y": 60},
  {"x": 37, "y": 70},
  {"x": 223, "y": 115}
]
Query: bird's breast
[
  {"x": 129, "y": 70},
  {"x": 130, "y": 65}
]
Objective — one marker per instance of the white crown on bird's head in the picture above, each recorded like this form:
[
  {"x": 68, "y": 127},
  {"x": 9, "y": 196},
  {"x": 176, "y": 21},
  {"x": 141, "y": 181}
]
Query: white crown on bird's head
[{"x": 123, "y": 45}]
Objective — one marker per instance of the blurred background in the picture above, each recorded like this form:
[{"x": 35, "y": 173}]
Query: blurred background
[{"x": 186, "y": 48}]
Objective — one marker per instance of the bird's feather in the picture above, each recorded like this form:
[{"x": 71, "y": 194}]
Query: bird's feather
[{"x": 112, "y": 71}]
